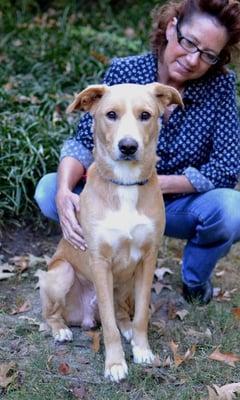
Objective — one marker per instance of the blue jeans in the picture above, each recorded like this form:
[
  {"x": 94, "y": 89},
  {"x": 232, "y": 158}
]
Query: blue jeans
[{"x": 210, "y": 222}]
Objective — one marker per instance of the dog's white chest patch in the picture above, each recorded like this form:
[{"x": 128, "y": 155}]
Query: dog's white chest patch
[{"x": 126, "y": 224}]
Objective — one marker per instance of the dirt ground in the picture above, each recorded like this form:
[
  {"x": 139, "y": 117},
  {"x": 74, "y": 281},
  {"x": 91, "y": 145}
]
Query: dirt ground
[{"x": 19, "y": 330}]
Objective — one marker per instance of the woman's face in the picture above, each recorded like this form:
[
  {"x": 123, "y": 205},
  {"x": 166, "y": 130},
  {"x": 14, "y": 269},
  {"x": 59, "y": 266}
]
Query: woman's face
[{"x": 202, "y": 30}]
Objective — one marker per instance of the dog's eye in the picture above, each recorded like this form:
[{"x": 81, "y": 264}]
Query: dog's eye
[
  {"x": 145, "y": 115},
  {"x": 112, "y": 115}
]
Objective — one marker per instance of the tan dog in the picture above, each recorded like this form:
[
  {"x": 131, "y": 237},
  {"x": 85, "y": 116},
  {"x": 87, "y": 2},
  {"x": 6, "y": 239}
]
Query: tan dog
[{"x": 122, "y": 216}]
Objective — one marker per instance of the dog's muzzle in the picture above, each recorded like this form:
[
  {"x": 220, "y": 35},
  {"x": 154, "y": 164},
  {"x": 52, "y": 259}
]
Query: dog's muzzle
[{"x": 128, "y": 148}]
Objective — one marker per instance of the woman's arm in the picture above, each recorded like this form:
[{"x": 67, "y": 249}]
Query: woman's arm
[{"x": 175, "y": 184}]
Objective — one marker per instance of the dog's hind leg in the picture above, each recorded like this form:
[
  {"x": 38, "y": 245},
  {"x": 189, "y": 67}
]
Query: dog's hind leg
[{"x": 54, "y": 288}]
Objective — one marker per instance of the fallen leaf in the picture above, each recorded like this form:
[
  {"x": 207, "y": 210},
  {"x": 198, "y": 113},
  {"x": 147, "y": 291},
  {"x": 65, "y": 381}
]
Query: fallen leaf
[
  {"x": 79, "y": 392},
  {"x": 182, "y": 314},
  {"x": 20, "y": 261},
  {"x": 26, "y": 306},
  {"x": 206, "y": 334},
  {"x": 160, "y": 325},
  {"x": 224, "y": 295},
  {"x": 95, "y": 335},
  {"x": 6, "y": 374},
  {"x": 160, "y": 272},
  {"x": 8, "y": 86},
  {"x": 225, "y": 392},
  {"x": 6, "y": 271},
  {"x": 49, "y": 361},
  {"x": 27, "y": 261},
  {"x": 228, "y": 358},
  {"x": 64, "y": 368},
  {"x": 99, "y": 57},
  {"x": 158, "y": 287},
  {"x": 167, "y": 362},
  {"x": 57, "y": 115},
  {"x": 219, "y": 274},
  {"x": 179, "y": 359},
  {"x": 236, "y": 312}
]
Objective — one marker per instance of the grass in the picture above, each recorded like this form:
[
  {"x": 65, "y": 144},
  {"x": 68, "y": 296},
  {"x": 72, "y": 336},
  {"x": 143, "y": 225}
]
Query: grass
[
  {"x": 45, "y": 59},
  {"x": 38, "y": 359}
]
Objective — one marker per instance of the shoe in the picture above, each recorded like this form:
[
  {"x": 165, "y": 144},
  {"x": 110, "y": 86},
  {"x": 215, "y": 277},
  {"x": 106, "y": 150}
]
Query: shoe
[{"x": 201, "y": 294}]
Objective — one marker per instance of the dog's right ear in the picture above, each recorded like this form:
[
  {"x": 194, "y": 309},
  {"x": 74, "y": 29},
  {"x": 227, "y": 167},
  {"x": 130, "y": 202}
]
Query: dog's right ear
[{"x": 88, "y": 99}]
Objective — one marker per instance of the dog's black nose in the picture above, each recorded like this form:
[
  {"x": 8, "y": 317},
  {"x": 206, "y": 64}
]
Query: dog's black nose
[{"x": 128, "y": 146}]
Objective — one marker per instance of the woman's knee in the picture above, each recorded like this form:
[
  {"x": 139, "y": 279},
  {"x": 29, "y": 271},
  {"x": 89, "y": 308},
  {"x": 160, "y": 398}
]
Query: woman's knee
[
  {"x": 225, "y": 215},
  {"x": 45, "y": 195}
]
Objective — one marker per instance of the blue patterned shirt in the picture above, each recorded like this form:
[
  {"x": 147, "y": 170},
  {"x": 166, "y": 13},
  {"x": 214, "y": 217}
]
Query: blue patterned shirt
[{"x": 201, "y": 141}]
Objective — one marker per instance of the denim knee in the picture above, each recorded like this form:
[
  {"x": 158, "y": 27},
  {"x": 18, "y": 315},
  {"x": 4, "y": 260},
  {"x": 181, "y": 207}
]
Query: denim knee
[
  {"x": 45, "y": 195},
  {"x": 226, "y": 215}
]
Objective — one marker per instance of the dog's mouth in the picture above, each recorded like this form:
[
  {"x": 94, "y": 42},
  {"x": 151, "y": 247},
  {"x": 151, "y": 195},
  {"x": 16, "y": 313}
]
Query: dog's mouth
[{"x": 127, "y": 157}]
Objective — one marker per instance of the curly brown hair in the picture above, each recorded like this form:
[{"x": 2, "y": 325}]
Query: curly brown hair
[{"x": 226, "y": 12}]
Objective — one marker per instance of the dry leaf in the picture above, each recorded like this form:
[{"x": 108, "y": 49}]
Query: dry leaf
[
  {"x": 206, "y": 334},
  {"x": 158, "y": 287},
  {"x": 182, "y": 314},
  {"x": 228, "y": 358},
  {"x": 95, "y": 335},
  {"x": 160, "y": 325},
  {"x": 236, "y": 312},
  {"x": 167, "y": 362},
  {"x": 79, "y": 392},
  {"x": 8, "y": 86},
  {"x": 224, "y": 295},
  {"x": 219, "y": 274},
  {"x": 57, "y": 115},
  {"x": 99, "y": 57},
  {"x": 49, "y": 361},
  {"x": 225, "y": 392},
  {"x": 160, "y": 272},
  {"x": 64, "y": 368},
  {"x": 20, "y": 261},
  {"x": 5, "y": 374},
  {"x": 179, "y": 359},
  {"x": 26, "y": 306},
  {"x": 6, "y": 271}
]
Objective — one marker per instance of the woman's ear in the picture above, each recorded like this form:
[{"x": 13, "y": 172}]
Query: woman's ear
[{"x": 171, "y": 28}]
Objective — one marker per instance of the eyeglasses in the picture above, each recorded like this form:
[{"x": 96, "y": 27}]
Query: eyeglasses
[{"x": 190, "y": 47}]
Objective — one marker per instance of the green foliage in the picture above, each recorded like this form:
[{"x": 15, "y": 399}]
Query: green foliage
[
  {"x": 50, "y": 50},
  {"x": 45, "y": 58}
]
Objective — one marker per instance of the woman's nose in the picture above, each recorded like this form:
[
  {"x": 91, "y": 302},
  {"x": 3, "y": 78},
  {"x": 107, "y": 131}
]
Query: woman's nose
[{"x": 193, "y": 58}]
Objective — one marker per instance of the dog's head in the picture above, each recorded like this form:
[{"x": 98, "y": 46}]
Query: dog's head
[{"x": 126, "y": 117}]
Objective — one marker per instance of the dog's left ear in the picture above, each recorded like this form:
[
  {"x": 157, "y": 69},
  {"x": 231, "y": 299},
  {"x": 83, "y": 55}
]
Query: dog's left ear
[
  {"x": 166, "y": 95},
  {"x": 88, "y": 99}
]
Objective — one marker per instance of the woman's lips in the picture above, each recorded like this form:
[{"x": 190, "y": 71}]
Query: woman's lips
[{"x": 183, "y": 69}]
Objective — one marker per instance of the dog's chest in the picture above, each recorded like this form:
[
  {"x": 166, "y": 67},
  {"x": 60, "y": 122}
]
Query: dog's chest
[{"x": 126, "y": 230}]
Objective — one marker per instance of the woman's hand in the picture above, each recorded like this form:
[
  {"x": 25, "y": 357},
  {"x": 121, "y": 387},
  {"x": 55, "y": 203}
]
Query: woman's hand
[{"x": 68, "y": 206}]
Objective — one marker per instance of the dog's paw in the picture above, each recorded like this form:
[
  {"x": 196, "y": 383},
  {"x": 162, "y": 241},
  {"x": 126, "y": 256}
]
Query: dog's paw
[
  {"x": 63, "y": 335},
  {"x": 116, "y": 372},
  {"x": 142, "y": 355}
]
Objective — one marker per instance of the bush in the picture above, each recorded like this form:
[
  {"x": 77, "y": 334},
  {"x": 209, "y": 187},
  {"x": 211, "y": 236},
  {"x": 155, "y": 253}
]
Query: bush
[{"x": 45, "y": 58}]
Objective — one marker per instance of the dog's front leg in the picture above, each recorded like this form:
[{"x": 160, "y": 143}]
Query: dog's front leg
[
  {"x": 115, "y": 364},
  {"x": 143, "y": 282}
]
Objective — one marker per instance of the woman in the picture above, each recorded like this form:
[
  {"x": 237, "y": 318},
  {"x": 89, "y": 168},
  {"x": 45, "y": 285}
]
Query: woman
[{"x": 198, "y": 147}]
